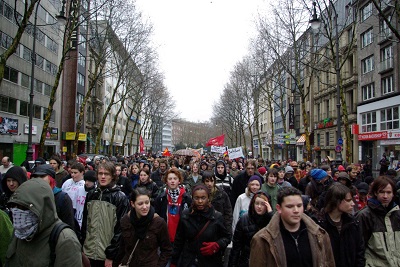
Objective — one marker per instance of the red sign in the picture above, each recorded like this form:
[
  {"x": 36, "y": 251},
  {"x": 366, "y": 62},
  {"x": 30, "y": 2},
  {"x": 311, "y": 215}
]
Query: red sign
[
  {"x": 373, "y": 136},
  {"x": 355, "y": 129},
  {"x": 216, "y": 141}
]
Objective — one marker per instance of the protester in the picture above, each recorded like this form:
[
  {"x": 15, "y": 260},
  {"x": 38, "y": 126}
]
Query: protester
[
  {"x": 289, "y": 176},
  {"x": 123, "y": 181},
  {"x": 159, "y": 174},
  {"x": 172, "y": 202},
  {"x": 194, "y": 177},
  {"x": 145, "y": 240},
  {"x": 34, "y": 216},
  {"x": 6, "y": 230},
  {"x": 147, "y": 183},
  {"x": 90, "y": 180},
  {"x": 12, "y": 179},
  {"x": 6, "y": 164},
  {"x": 234, "y": 171},
  {"x": 259, "y": 214},
  {"x": 243, "y": 201},
  {"x": 380, "y": 226},
  {"x": 270, "y": 187},
  {"x": 201, "y": 237},
  {"x": 281, "y": 178},
  {"x": 55, "y": 162},
  {"x": 222, "y": 177},
  {"x": 240, "y": 182},
  {"x": 384, "y": 162},
  {"x": 134, "y": 174},
  {"x": 344, "y": 231},
  {"x": 103, "y": 210},
  {"x": 291, "y": 238}
]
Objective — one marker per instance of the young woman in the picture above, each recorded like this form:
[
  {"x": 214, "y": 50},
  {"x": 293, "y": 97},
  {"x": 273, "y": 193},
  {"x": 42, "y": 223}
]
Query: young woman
[
  {"x": 194, "y": 177},
  {"x": 144, "y": 234},
  {"x": 147, "y": 183},
  {"x": 258, "y": 216},
  {"x": 156, "y": 165},
  {"x": 134, "y": 174},
  {"x": 201, "y": 237},
  {"x": 243, "y": 201},
  {"x": 172, "y": 202},
  {"x": 234, "y": 169},
  {"x": 55, "y": 162},
  {"x": 344, "y": 231},
  {"x": 270, "y": 187}
]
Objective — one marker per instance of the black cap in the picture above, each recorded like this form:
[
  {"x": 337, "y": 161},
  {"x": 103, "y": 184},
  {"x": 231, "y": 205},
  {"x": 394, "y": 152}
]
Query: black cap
[
  {"x": 44, "y": 169},
  {"x": 90, "y": 176}
]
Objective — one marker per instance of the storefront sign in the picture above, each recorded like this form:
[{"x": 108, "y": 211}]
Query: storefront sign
[
  {"x": 8, "y": 126},
  {"x": 71, "y": 136},
  {"x": 26, "y": 129},
  {"x": 393, "y": 134},
  {"x": 52, "y": 133},
  {"x": 291, "y": 116},
  {"x": 373, "y": 136},
  {"x": 389, "y": 142}
]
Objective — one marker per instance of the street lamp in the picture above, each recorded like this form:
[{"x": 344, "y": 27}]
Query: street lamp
[
  {"x": 315, "y": 24},
  {"x": 29, "y": 151}
]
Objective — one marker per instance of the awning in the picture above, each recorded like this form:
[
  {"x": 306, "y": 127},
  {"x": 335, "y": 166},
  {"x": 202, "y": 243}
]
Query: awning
[{"x": 301, "y": 141}]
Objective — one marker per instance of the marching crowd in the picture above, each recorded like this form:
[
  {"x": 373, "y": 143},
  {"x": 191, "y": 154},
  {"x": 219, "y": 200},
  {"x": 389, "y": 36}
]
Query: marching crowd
[{"x": 181, "y": 211}]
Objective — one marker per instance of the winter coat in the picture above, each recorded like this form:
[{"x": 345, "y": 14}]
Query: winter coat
[
  {"x": 347, "y": 246},
  {"x": 272, "y": 191},
  {"x": 146, "y": 252},
  {"x": 381, "y": 233},
  {"x": 65, "y": 211},
  {"x": 187, "y": 247},
  {"x": 221, "y": 203},
  {"x": 6, "y": 230},
  {"x": 241, "y": 207},
  {"x": 157, "y": 177},
  {"x": 239, "y": 185},
  {"x": 59, "y": 177},
  {"x": 267, "y": 248},
  {"x": 245, "y": 229},
  {"x": 37, "y": 195},
  {"x": 151, "y": 187},
  {"x": 101, "y": 230},
  {"x": 192, "y": 183},
  {"x": 125, "y": 185}
]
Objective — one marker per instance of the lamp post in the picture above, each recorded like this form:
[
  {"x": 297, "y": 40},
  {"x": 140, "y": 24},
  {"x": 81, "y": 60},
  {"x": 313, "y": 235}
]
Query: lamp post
[
  {"x": 29, "y": 151},
  {"x": 315, "y": 24}
]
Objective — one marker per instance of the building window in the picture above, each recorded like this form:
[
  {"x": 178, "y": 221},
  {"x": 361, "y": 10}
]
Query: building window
[
  {"x": 38, "y": 86},
  {"x": 47, "y": 89},
  {"x": 6, "y": 40},
  {"x": 368, "y": 91},
  {"x": 11, "y": 74},
  {"x": 368, "y": 122},
  {"x": 386, "y": 57},
  {"x": 81, "y": 60},
  {"x": 82, "y": 41},
  {"x": 27, "y": 54},
  {"x": 366, "y": 38},
  {"x": 23, "y": 108},
  {"x": 8, "y": 104},
  {"x": 25, "y": 81},
  {"x": 367, "y": 64},
  {"x": 390, "y": 118},
  {"x": 366, "y": 11},
  {"x": 106, "y": 129},
  {"x": 387, "y": 85},
  {"x": 81, "y": 79},
  {"x": 327, "y": 138},
  {"x": 37, "y": 112},
  {"x": 39, "y": 61}
]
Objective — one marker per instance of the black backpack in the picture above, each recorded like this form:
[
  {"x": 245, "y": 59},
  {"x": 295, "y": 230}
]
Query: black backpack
[{"x": 55, "y": 233}]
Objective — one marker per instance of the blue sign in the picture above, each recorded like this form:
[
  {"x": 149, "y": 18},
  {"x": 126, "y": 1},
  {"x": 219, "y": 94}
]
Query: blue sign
[
  {"x": 338, "y": 149},
  {"x": 340, "y": 141}
]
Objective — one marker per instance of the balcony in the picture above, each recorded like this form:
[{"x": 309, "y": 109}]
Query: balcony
[
  {"x": 386, "y": 65},
  {"x": 384, "y": 35}
]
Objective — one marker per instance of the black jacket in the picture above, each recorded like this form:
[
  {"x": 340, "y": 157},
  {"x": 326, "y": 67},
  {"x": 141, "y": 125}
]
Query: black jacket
[
  {"x": 222, "y": 204},
  {"x": 125, "y": 185},
  {"x": 347, "y": 246},
  {"x": 151, "y": 187},
  {"x": 245, "y": 229},
  {"x": 187, "y": 247},
  {"x": 157, "y": 177}
]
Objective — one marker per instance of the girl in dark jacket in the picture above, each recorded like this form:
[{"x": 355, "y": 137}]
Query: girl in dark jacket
[
  {"x": 258, "y": 216},
  {"x": 201, "y": 237},
  {"x": 144, "y": 233},
  {"x": 344, "y": 231},
  {"x": 146, "y": 182}
]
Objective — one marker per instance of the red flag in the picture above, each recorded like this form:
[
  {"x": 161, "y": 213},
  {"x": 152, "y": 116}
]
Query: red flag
[
  {"x": 141, "y": 145},
  {"x": 166, "y": 153},
  {"x": 216, "y": 141}
]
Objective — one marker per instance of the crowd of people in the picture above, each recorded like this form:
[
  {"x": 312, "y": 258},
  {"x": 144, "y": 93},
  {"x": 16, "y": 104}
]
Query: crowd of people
[{"x": 208, "y": 211}]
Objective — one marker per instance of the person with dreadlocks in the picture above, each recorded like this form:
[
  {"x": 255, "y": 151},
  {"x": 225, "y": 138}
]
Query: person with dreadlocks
[{"x": 201, "y": 237}]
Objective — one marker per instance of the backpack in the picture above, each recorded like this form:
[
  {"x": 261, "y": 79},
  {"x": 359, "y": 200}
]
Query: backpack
[{"x": 55, "y": 232}]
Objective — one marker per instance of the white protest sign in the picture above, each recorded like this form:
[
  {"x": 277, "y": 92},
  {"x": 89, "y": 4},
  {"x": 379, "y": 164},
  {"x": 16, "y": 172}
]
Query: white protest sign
[
  {"x": 235, "y": 153},
  {"x": 218, "y": 149}
]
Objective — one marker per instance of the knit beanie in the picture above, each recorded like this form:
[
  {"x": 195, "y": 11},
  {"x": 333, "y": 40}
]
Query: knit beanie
[
  {"x": 289, "y": 169},
  {"x": 90, "y": 176},
  {"x": 318, "y": 174},
  {"x": 255, "y": 177},
  {"x": 341, "y": 168},
  {"x": 262, "y": 170}
]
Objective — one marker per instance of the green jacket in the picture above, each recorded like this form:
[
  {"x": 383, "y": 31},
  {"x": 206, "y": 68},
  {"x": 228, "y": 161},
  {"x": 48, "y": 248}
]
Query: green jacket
[
  {"x": 36, "y": 195},
  {"x": 6, "y": 230}
]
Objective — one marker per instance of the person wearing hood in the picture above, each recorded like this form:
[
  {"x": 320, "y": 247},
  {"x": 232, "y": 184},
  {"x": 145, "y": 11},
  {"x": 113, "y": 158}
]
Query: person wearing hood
[
  {"x": 12, "y": 179},
  {"x": 103, "y": 210},
  {"x": 317, "y": 187},
  {"x": 55, "y": 162},
  {"x": 201, "y": 237},
  {"x": 64, "y": 207},
  {"x": 222, "y": 177},
  {"x": 380, "y": 227},
  {"x": 34, "y": 216},
  {"x": 259, "y": 214},
  {"x": 243, "y": 201}
]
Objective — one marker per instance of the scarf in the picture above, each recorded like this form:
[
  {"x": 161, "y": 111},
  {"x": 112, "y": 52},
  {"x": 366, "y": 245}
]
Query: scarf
[
  {"x": 261, "y": 220},
  {"x": 173, "y": 211},
  {"x": 141, "y": 224},
  {"x": 174, "y": 194},
  {"x": 25, "y": 223}
]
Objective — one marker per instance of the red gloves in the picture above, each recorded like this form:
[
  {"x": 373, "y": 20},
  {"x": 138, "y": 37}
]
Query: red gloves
[
  {"x": 172, "y": 265},
  {"x": 209, "y": 248}
]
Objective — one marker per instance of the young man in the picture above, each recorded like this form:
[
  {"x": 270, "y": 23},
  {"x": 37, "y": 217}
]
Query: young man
[
  {"x": 380, "y": 226},
  {"x": 14, "y": 177},
  {"x": 75, "y": 188},
  {"x": 291, "y": 238},
  {"x": 34, "y": 214},
  {"x": 103, "y": 210}
]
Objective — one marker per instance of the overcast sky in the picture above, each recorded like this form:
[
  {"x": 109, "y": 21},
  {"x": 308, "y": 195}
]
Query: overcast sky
[{"x": 199, "y": 42}]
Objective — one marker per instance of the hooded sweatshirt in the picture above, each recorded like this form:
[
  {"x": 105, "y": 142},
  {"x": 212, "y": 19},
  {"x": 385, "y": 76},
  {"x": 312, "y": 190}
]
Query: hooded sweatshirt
[
  {"x": 15, "y": 172},
  {"x": 37, "y": 196}
]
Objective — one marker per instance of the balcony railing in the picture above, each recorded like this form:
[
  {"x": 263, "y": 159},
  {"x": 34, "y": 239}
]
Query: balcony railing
[{"x": 386, "y": 64}]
